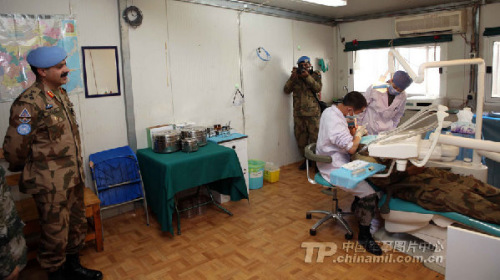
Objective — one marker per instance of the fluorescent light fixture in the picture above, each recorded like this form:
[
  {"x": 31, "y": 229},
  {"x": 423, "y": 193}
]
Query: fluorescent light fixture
[{"x": 331, "y": 3}]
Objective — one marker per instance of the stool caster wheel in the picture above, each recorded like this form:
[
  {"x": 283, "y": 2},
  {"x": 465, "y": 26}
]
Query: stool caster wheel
[
  {"x": 308, "y": 216},
  {"x": 312, "y": 232},
  {"x": 348, "y": 236}
]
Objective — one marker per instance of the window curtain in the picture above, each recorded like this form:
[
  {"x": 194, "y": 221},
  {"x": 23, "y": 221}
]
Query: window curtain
[
  {"x": 492, "y": 31},
  {"x": 386, "y": 43}
]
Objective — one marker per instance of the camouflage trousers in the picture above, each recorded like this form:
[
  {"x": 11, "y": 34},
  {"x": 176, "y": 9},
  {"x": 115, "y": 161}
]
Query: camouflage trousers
[
  {"x": 444, "y": 191},
  {"x": 12, "y": 243},
  {"x": 364, "y": 209},
  {"x": 63, "y": 223},
  {"x": 306, "y": 131}
]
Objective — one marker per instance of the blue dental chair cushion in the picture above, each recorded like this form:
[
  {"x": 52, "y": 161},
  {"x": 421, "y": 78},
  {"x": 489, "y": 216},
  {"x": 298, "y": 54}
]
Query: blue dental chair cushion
[
  {"x": 320, "y": 180},
  {"x": 397, "y": 204}
]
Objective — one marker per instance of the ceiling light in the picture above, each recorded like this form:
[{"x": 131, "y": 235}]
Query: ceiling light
[{"x": 331, "y": 3}]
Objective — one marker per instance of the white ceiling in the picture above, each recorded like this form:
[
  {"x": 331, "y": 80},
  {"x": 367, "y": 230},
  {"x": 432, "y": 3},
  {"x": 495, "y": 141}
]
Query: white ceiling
[{"x": 360, "y": 8}]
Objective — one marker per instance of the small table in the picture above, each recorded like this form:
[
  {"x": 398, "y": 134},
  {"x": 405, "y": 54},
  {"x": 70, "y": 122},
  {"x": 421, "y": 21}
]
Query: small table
[{"x": 166, "y": 174}]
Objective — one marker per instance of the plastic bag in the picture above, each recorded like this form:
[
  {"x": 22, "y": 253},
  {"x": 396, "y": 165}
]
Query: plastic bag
[{"x": 464, "y": 124}]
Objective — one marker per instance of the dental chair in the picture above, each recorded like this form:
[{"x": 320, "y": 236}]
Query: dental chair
[
  {"x": 336, "y": 213},
  {"x": 430, "y": 226}
]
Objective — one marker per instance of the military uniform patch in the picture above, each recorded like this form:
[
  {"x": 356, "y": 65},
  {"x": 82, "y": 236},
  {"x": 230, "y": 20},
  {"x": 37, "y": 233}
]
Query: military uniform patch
[
  {"x": 25, "y": 114},
  {"x": 24, "y": 129}
]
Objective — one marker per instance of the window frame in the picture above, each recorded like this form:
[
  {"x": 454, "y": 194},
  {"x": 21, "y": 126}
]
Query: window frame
[
  {"x": 442, "y": 82},
  {"x": 488, "y": 58}
]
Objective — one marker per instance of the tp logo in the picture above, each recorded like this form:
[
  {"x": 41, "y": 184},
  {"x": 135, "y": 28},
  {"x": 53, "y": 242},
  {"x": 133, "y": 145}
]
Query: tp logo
[{"x": 327, "y": 249}]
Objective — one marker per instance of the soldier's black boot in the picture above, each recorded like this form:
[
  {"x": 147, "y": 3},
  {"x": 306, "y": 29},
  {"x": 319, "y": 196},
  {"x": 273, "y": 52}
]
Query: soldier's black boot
[
  {"x": 74, "y": 270},
  {"x": 365, "y": 238},
  {"x": 354, "y": 203},
  {"x": 57, "y": 275},
  {"x": 303, "y": 166}
]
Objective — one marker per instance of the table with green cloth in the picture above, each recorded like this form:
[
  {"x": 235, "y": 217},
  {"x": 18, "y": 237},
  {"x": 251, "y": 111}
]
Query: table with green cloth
[{"x": 164, "y": 175}]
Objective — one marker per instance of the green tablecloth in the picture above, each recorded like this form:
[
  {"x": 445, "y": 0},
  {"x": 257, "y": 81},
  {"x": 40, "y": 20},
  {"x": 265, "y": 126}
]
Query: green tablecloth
[{"x": 166, "y": 174}]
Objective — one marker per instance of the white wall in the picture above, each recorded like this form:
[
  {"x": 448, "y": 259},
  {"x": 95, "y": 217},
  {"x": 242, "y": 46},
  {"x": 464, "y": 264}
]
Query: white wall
[{"x": 194, "y": 80}]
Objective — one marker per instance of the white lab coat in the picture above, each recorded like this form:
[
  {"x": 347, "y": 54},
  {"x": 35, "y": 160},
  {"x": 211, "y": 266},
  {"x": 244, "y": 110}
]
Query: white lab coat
[
  {"x": 334, "y": 140},
  {"x": 378, "y": 116}
]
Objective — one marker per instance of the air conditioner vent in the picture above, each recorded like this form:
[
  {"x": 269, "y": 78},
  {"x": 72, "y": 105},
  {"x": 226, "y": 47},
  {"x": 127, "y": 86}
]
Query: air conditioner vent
[{"x": 442, "y": 22}]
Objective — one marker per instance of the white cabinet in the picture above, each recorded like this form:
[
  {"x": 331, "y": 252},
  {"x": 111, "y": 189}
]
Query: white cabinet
[{"x": 239, "y": 145}]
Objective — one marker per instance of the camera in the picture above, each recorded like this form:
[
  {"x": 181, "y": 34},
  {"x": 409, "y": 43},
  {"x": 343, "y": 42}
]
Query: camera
[{"x": 301, "y": 69}]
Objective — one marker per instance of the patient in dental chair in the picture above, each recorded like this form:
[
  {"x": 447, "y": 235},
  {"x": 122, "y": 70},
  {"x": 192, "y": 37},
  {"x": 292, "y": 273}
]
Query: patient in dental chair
[{"x": 443, "y": 191}]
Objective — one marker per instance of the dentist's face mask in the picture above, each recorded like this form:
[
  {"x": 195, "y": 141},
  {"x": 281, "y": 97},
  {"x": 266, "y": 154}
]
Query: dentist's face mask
[{"x": 393, "y": 91}]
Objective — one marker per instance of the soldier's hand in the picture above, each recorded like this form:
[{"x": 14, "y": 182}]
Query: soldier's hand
[
  {"x": 304, "y": 74},
  {"x": 294, "y": 73}
]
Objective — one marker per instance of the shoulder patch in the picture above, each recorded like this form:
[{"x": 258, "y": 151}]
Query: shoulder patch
[
  {"x": 29, "y": 95},
  {"x": 25, "y": 114},
  {"x": 24, "y": 129}
]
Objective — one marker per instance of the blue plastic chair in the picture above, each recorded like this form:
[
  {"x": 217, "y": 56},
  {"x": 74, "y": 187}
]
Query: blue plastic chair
[{"x": 336, "y": 213}]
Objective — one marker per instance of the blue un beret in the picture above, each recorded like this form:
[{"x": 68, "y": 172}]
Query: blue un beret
[
  {"x": 45, "y": 57},
  {"x": 303, "y": 59}
]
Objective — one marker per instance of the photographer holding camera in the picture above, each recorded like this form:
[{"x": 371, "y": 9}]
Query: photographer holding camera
[{"x": 305, "y": 85}]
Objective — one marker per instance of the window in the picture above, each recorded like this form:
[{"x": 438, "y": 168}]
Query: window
[
  {"x": 492, "y": 59},
  {"x": 495, "y": 73},
  {"x": 370, "y": 67}
]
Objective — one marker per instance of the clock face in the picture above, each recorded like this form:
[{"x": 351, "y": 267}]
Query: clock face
[{"x": 133, "y": 16}]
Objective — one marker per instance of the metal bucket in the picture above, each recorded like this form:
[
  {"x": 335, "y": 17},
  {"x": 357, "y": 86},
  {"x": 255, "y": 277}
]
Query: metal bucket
[
  {"x": 189, "y": 145},
  {"x": 198, "y": 132},
  {"x": 167, "y": 141}
]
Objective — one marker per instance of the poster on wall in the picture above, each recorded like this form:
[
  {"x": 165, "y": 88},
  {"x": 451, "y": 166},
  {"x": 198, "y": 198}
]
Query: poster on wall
[{"x": 21, "y": 33}]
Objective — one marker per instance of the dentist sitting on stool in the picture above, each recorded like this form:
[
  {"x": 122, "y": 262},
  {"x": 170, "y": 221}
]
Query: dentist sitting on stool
[{"x": 337, "y": 140}]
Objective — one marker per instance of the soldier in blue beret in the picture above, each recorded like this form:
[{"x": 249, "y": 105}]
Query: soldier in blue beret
[
  {"x": 306, "y": 86},
  {"x": 43, "y": 142}
]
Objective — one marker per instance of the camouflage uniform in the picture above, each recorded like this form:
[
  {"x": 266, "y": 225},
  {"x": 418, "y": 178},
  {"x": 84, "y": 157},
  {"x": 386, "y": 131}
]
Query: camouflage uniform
[
  {"x": 43, "y": 141},
  {"x": 306, "y": 110},
  {"x": 443, "y": 191},
  {"x": 12, "y": 243},
  {"x": 364, "y": 209}
]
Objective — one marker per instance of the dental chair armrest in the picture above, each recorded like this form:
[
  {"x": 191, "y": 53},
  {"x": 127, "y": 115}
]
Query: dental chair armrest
[{"x": 310, "y": 154}]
